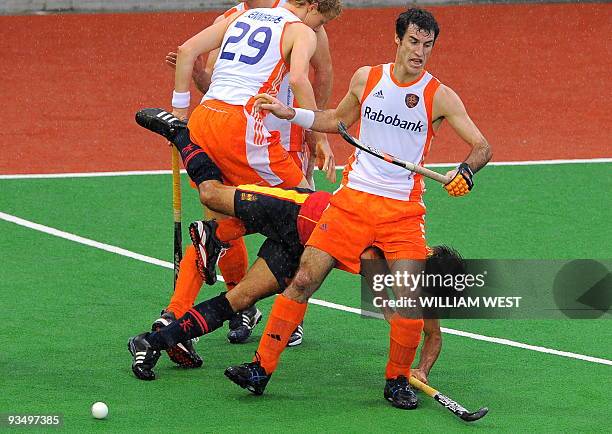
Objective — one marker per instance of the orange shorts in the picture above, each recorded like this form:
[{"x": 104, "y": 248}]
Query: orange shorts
[
  {"x": 356, "y": 220},
  {"x": 245, "y": 151}
]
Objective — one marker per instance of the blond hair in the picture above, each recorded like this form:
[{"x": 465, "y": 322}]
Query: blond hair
[{"x": 329, "y": 8}]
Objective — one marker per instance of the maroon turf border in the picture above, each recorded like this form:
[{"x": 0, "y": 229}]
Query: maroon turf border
[{"x": 534, "y": 77}]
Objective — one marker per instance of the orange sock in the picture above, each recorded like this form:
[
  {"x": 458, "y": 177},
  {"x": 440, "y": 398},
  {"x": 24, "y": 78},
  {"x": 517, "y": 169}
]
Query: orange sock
[
  {"x": 230, "y": 229},
  {"x": 188, "y": 284},
  {"x": 234, "y": 263},
  {"x": 405, "y": 337},
  {"x": 285, "y": 316}
]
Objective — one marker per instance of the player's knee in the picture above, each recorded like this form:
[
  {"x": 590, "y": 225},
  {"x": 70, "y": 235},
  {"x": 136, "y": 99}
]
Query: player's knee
[
  {"x": 302, "y": 287},
  {"x": 208, "y": 192}
]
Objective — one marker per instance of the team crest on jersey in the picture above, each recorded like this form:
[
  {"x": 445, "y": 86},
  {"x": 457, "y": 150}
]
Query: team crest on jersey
[{"x": 411, "y": 100}]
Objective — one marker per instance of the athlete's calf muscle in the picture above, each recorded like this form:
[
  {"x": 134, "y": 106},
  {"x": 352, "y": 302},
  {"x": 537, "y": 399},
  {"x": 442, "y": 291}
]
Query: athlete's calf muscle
[{"x": 258, "y": 283}]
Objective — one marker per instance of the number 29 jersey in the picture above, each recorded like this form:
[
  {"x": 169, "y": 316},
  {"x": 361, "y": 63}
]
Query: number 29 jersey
[{"x": 251, "y": 59}]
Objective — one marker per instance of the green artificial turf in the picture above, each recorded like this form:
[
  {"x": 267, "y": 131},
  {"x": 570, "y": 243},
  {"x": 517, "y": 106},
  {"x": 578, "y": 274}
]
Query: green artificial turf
[{"x": 69, "y": 309}]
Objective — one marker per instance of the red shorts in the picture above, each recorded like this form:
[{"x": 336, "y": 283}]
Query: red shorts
[
  {"x": 245, "y": 151},
  {"x": 356, "y": 220}
]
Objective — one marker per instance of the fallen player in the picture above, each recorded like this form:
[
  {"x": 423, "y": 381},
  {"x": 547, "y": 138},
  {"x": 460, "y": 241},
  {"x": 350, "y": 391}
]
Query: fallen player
[{"x": 285, "y": 217}]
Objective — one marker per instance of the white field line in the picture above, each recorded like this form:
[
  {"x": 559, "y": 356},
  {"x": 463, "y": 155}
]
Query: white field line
[
  {"x": 475, "y": 336},
  {"x": 167, "y": 172},
  {"x": 165, "y": 264},
  {"x": 87, "y": 174},
  {"x": 82, "y": 240}
]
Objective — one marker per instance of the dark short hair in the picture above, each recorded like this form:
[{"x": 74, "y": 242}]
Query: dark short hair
[
  {"x": 444, "y": 260},
  {"x": 421, "y": 18}
]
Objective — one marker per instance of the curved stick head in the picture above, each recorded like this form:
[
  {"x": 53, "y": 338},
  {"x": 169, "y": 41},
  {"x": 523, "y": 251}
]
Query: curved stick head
[{"x": 471, "y": 417}]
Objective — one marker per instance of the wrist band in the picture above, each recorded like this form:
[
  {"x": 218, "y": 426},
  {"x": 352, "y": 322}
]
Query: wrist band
[
  {"x": 181, "y": 99},
  {"x": 303, "y": 118},
  {"x": 465, "y": 167}
]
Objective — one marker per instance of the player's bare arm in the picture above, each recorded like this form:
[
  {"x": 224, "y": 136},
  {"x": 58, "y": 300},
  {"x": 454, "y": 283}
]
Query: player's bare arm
[
  {"x": 432, "y": 344},
  {"x": 348, "y": 111},
  {"x": 204, "y": 42},
  {"x": 299, "y": 46},
  {"x": 203, "y": 66},
  {"x": 447, "y": 105},
  {"x": 321, "y": 63},
  {"x": 200, "y": 75}
]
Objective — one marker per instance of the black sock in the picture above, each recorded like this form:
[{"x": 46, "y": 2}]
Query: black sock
[
  {"x": 198, "y": 164},
  {"x": 201, "y": 319}
]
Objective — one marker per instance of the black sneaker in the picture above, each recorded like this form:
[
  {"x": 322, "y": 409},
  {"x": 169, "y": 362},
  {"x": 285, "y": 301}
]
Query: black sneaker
[
  {"x": 184, "y": 353},
  {"x": 250, "y": 376},
  {"x": 208, "y": 248},
  {"x": 297, "y": 336},
  {"x": 144, "y": 357},
  {"x": 399, "y": 393},
  {"x": 242, "y": 323},
  {"x": 160, "y": 121}
]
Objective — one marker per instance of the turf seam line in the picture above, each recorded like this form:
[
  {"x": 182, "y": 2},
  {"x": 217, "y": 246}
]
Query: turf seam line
[
  {"x": 167, "y": 172},
  {"x": 127, "y": 253}
]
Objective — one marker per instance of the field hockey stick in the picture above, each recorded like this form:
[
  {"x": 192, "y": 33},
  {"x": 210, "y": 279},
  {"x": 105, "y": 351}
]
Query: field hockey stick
[
  {"x": 390, "y": 158},
  {"x": 453, "y": 406},
  {"x": 176, "y": 207}
]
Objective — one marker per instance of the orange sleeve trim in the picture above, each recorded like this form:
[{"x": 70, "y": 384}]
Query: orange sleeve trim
[
  {"x": 235, "y": 18},
  {"x": 373, "y": 78},
  {"x": 282, "y": 38},
  {"x": 280, "y": 45},
  {"x": 228, "y": 12},
  {"x": 429, "y": 93},
  {"x": 239, "y": 7}
]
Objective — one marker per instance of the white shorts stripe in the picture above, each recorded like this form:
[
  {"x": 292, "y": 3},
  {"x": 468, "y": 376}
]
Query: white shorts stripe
[{"x": 257, "y": 150}]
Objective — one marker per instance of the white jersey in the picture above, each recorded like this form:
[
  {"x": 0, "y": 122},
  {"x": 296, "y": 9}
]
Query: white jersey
[
  {"x": 396, "y": 118},
  {"x": 291, "y": 135},
  {"x": 251, "y": 59}
]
